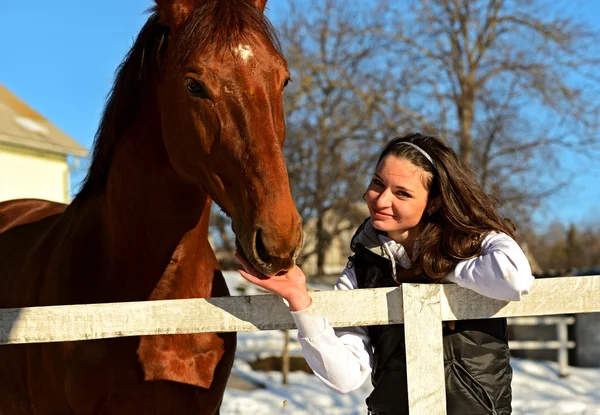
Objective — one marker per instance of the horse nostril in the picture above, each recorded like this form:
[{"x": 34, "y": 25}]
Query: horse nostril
[{"x": 261, "y": 251}]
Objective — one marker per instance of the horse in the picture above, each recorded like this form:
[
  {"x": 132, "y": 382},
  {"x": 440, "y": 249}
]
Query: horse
[{"x": 195, "y": 115}]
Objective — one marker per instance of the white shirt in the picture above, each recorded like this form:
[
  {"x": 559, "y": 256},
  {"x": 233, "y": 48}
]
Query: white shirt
[{"x": 342, "y": 358}]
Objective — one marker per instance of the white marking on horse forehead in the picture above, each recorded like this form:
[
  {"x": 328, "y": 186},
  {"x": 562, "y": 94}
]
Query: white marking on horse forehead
[{"x": 243, "y": 51}]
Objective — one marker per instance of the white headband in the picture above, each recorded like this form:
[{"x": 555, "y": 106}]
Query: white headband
[{"x": 427, "y": 156}]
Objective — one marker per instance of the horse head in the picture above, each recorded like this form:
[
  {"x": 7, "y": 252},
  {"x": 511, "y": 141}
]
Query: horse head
[{"x": 223, "y": 123}]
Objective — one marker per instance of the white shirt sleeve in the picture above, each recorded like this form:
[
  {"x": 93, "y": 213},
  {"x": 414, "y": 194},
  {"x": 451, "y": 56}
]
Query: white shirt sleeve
[
  {"x": 341, "y": 358},
  {"x": 502, "y": 270}
]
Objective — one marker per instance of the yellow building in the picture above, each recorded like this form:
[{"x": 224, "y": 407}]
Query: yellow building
[
  {"x": 338, "y": 251},
  {"x": 34, "y": 153}
]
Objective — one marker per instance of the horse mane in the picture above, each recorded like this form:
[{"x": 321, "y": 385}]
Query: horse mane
[{"x": 218, "y": 24}]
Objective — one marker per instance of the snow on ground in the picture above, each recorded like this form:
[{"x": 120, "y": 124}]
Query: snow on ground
[
  {"x": 537, "y": 389},
  {"x": 304, "y": 394}
]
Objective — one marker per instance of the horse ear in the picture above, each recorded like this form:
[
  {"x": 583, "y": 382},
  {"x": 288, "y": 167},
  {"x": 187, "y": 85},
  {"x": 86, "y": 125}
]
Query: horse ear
[
  {"x": 260, "y": 4},
  {"x": 174, "y": 12}
]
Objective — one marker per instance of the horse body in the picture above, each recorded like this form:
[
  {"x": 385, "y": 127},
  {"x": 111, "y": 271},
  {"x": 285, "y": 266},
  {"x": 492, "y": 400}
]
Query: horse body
[
  {"x": 138, "y": 229},
  {"x": 162, "y": 253}
]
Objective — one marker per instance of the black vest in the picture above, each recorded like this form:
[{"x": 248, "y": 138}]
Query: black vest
[{"x": 476, "y": 356}]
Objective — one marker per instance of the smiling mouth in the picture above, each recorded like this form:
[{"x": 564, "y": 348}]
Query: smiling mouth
[{"x": 382, "y": 215}]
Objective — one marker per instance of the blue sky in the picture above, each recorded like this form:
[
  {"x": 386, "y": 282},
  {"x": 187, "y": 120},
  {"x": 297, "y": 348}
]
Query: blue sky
[{"x": 60, "y": 58}]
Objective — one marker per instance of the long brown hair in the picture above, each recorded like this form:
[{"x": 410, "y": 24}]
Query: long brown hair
[{"x": 466, "y": 212}]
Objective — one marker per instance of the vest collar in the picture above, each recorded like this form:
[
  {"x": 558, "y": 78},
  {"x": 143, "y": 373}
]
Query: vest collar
[{"x": 367, "y": 237}]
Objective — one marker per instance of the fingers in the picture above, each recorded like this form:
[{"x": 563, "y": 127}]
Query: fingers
[
  {"x": 249, "y": 272},
  {"x": 251, "y": 278}
]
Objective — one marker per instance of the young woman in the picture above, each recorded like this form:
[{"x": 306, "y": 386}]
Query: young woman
[{"x": 430, "y": 222}]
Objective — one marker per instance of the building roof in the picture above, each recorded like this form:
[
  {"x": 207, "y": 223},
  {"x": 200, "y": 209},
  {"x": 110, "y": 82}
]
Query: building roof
[{"x": 22, "y": 126}]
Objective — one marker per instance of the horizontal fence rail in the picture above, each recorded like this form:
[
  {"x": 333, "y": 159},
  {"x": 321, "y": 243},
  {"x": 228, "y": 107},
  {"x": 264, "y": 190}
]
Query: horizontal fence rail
[
  {"x": 380, "y": 306},
  {"x": 562, "y": 345},
  {"x": 421, "y": 307}
]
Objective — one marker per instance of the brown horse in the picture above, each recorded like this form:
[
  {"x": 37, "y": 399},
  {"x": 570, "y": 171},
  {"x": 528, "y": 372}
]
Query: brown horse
[{"x": 195, "y": 115}]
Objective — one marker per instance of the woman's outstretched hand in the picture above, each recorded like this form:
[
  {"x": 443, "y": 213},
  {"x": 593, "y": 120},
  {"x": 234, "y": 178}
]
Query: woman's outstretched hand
[{"x": 291, "y": 285}]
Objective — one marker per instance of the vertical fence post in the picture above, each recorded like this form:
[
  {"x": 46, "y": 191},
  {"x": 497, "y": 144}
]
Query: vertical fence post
[
  {"x": 424, "y": 349},
  {"x": 285, "y": 358},
  {"x": 563, "y": 351}
]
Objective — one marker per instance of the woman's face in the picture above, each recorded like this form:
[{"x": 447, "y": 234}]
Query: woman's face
[{"x": 397, "y": 197}]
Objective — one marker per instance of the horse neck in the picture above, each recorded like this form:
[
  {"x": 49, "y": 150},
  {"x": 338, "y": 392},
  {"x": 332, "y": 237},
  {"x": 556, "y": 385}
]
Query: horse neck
[{"x": 146, "y": 211}]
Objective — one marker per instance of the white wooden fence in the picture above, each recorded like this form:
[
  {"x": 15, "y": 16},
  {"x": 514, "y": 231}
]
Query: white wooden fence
[
  {"x": 421, "y": 307},
  {"x": 561, "y": 344}
]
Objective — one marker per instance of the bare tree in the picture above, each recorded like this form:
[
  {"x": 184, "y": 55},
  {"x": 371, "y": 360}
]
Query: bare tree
[
  {"x": 337, "y": 111},
  {"x": 562, "y": 250},
  {"x": 511, "y": 83},
  {"x": 589, "y": 243}
]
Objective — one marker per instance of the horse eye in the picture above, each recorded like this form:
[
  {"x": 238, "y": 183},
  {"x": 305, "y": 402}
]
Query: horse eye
[
  {"x": 196, "y": 89},
  {"x": 288, "y": 80}
]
